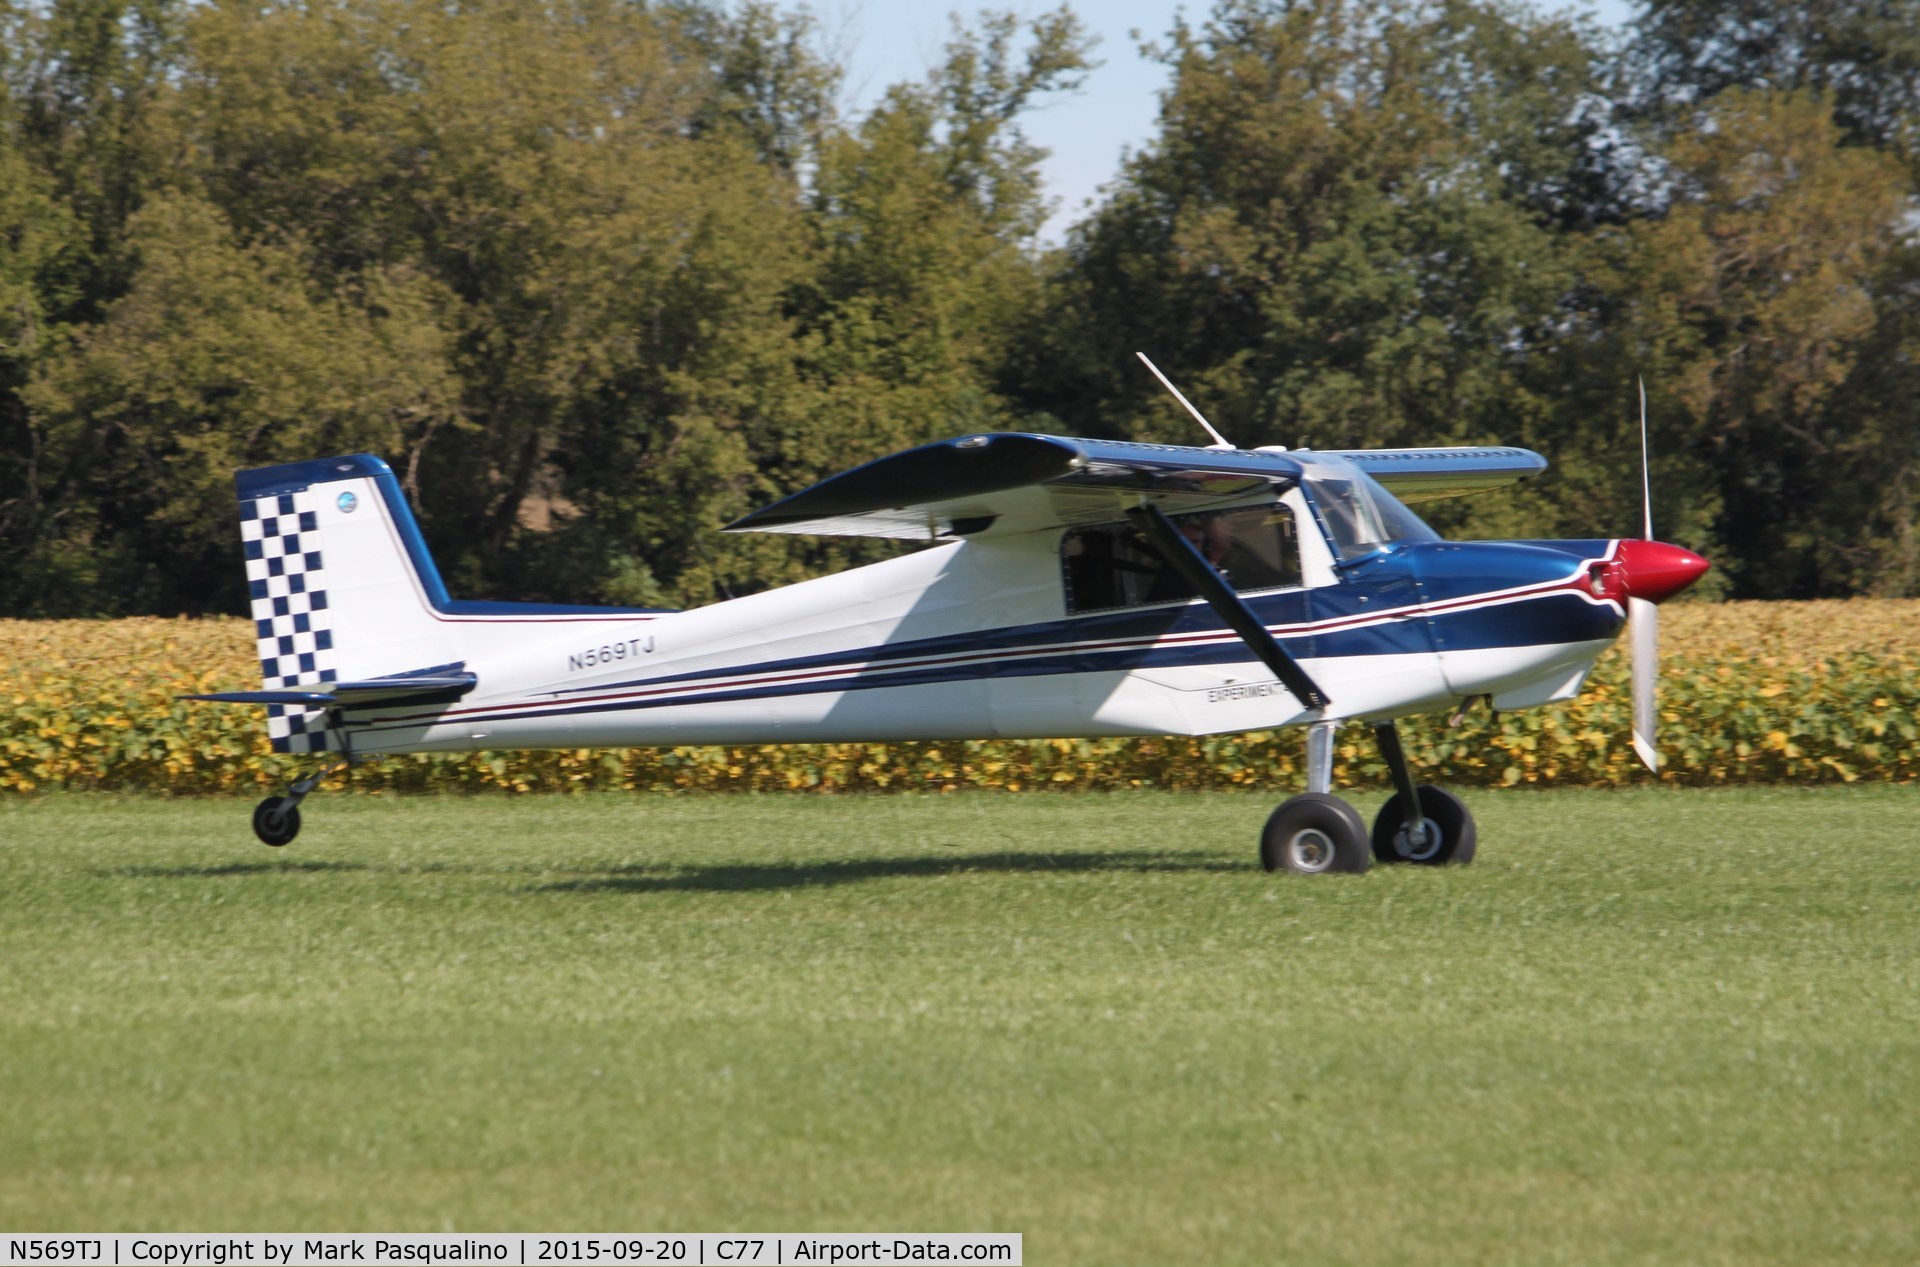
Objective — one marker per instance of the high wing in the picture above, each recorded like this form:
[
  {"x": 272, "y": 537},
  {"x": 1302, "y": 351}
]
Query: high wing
[
  {"x": 1006, "y": 482},
  {"x": 1424, "y": 475}
]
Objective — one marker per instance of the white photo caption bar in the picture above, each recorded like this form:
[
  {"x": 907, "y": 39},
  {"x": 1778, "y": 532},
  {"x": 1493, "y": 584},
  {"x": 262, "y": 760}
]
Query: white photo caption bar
[{"x": 505, "y": 1249}]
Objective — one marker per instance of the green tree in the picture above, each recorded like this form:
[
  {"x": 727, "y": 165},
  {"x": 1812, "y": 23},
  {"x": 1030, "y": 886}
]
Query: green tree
[
  {"x": 644, "y": 225},
  {"x": 43, "y": 255},
  {"x": 1861, "y": 55},
  {"x": 602, "y": 249},
  {"x": 597, "y": 276},
  {"x": 926, "y": 216},
  {"x": 1751, "y": 303},
  {"x": 1342, "y": 235},
  {"x": 221, "y": 355},
  {"x": 1863, "y": 489},
  {"x": 87, "y": 75},
  {"x": 920, "y": 261},
  {"x": 1802, "y": 348}
]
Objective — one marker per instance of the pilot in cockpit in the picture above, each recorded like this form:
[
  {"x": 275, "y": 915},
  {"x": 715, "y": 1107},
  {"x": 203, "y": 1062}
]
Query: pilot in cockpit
[{"x": 1205, "y": 533}]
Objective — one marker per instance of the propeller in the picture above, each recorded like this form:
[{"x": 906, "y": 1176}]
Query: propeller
[
  {"x": 1643, "y": 624},
  {"x": 1650, "y": 572}
]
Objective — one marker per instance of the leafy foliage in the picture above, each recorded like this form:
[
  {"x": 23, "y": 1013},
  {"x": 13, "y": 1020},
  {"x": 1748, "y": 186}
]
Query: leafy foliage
[
  {"x": 595, "y": 277},
  {"x": 1336, "y": 240},
  {"x": 598, "y": 277}
]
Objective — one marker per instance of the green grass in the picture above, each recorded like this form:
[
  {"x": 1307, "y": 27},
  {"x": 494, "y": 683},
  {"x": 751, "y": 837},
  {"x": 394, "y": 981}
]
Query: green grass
[{"x": 1651, "y": 1027}]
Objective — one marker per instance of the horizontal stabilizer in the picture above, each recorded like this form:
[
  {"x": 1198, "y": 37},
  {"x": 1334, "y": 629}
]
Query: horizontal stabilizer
[
  {"x": 363, "y": 694},
  {"x": 262, "y": 697},
  {"x": 401, "y": 687}
]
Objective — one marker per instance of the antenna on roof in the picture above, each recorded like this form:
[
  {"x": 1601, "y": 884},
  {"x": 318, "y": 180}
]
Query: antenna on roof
[{"x": 1219, "y": 441}]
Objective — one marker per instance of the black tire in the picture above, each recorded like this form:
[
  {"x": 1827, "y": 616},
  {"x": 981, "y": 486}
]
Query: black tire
[
  {"x": 1314, "y": 833},
  {"x": 275, "y": 821},
  {"x": 1450, "y": 830}
]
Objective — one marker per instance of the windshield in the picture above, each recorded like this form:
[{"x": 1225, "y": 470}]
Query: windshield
[{"x": 1361, "y": 517}]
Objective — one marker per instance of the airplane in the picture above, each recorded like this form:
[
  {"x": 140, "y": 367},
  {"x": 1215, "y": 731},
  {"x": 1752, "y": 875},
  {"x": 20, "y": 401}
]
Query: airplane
[{"x": 1066, "y": 588}]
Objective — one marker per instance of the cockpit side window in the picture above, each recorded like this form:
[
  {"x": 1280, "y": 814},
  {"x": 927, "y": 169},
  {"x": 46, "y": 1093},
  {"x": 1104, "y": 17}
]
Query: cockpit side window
[{"x": 1111, "y": 566}]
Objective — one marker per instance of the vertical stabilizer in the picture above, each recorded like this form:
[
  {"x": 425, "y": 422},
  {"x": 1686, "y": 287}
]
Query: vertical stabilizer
[{"x": 339, "y": 583}]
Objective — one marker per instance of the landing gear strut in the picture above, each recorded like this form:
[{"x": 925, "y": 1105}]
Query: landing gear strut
[
  {"x": 276, "y": 820},
  {"x": 1317, "y": 832},
  {"x": 1423, "y": 824}
]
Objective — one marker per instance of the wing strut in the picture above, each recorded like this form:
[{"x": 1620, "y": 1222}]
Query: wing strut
[{"x": 1193, "y": 566}]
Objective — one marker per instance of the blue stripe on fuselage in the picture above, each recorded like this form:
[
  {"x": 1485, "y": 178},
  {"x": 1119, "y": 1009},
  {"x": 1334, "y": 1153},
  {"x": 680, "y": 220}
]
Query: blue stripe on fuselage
[
  {"x": 1447, "y": 572},
  {"x": 1562, "y": 617}
]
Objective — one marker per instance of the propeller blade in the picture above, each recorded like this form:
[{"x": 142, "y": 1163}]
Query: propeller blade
[
  {"x": 1643, "y": 622},
  {"x": 1643, "y": 625},
  {"x": 1646, "y": 469}
]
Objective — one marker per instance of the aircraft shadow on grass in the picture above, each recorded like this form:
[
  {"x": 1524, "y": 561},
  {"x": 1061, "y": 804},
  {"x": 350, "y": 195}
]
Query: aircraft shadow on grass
[
  {"x": 739, "y": 878},
  {"x": 231, "y": 869},
  {"x": 742, "y": 877}
]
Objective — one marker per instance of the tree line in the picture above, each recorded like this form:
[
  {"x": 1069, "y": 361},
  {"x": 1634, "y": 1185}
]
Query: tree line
[{"x": 597, "y": 276}]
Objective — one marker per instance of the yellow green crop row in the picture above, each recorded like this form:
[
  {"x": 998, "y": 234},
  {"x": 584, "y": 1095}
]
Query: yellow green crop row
[{"x": 1750, "y": 693}]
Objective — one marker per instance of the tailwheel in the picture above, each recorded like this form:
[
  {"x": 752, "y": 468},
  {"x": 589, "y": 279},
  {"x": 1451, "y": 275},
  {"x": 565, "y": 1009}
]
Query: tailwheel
[
  {"x": 1448, "y": 833},
  {"x": 1314, "y": 833},
  {"x": 276, "y": 820}
]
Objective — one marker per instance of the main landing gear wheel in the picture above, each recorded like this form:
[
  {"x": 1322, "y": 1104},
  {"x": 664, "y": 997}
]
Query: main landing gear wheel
[
  {"x": 276, "y": 821},
  {"x": 1450, "y": 834},
  {"x": 1314, "y": 833}
]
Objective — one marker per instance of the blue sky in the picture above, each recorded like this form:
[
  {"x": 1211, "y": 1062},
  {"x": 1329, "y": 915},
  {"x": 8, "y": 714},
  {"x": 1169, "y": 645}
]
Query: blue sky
[{"x": 1087, "y": 131}]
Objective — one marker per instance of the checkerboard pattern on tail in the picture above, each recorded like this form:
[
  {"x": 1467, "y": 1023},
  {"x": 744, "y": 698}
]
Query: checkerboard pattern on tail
[{"x": 286, "y": 581}]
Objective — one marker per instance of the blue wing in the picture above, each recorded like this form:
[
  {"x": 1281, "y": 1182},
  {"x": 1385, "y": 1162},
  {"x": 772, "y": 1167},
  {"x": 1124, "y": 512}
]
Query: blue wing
[
  {"x": 1007, "y": 482},
  {"x": 1015, "y": 482}
]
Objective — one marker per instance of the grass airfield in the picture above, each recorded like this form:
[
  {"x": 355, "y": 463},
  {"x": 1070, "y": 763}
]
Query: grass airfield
[{"x": 1645, "y": 1027}]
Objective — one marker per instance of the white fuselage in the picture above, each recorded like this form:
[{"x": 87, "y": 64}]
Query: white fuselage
[{"x": 964, "y": 640}]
